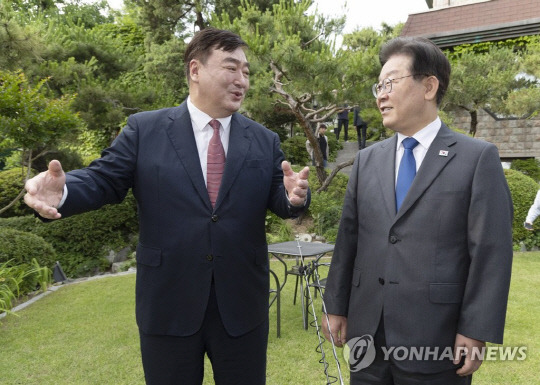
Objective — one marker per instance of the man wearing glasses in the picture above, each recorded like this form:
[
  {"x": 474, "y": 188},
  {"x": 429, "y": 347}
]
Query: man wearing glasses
[{"x": 423, "y": 255}]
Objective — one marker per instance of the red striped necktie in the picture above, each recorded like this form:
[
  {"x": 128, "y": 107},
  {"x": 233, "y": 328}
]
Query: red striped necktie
[{"x": 215, "y": 164}]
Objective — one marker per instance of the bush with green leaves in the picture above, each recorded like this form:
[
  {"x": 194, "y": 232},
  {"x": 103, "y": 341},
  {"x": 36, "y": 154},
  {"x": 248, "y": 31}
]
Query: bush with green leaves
[
  {"x": 523, "y": 190},
  {"x": 529, "y": 167},
  {"x": 277, "y": 229},
  {"x": 25, "y": 262},
  {"x": 295, "y": 151},
  {"x": 82, "y": 241},
  {"x": 11, "y": 184},
  {"x": 21, "y": 247},
  {"x": 326, "y": 206}
]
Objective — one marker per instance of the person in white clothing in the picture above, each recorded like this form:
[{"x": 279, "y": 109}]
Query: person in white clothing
[{"x": 533, "y": 213}]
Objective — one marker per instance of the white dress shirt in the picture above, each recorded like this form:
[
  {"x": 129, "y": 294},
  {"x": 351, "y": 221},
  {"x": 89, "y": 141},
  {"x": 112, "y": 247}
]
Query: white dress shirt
[
  {"x": 203, "y": 132},
  {"x": 424, "y": 137}
]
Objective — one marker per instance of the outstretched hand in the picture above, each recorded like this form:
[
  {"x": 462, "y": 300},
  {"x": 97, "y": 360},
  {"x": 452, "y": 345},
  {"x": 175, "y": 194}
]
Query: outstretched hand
[
  {"x": 44, "y": 191},
  {"x": 296, "y": 183}
]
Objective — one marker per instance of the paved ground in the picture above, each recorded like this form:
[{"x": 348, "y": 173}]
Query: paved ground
[{"x": 349, "y": 151}]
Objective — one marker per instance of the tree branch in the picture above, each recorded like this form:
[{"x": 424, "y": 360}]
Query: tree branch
[
  {"x": 23, "y": 190},
  {"x": 334, "y": 172}
]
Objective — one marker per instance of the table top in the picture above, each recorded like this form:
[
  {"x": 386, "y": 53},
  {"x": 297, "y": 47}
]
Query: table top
[{"x": 305, "y": 249}]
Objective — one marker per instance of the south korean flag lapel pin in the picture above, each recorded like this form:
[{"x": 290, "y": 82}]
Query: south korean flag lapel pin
[{"x": 443, "y": 153}]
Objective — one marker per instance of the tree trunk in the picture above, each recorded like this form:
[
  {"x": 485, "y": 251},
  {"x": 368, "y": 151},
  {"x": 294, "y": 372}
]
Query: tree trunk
[
  {"x": 474, "y": 122},
  {"x": 317, "y": 154}
]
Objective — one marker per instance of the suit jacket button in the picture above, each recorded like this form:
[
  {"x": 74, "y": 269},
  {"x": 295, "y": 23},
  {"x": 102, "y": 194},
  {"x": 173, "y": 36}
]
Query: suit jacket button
[
  {"x": 393, "y": 239},
  {"x": 209, "y": 257},
  {"x": 381, "y": 281},
  {"x": 215, "y": 218}
]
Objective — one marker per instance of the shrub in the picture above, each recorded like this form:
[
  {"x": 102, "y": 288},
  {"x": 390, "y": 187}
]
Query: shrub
[
  {"x": 529, "y": 167},
  {"x": 11, "y": 184},
  {"x": 523, "y": 190},
  {"x": 334, "y": 146},
  {"x": 326, "y": 206},
  {"x": 82, "y": 241},
  {"x": 295, "y": 150},
  {"x": 22, "y": 247},
  {"x": 277, "y": 229},
  {"x": 326, "y": 213}
]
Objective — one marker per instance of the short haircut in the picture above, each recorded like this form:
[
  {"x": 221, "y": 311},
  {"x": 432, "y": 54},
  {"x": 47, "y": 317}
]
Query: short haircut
[
  {"x": 427, "y": 59},
  {"x": 206, "y": 40}
]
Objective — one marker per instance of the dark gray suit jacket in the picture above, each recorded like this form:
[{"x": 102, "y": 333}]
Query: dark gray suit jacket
[
  {"x": 184, "y": 243},
  {"x": 439, "y": 266}
]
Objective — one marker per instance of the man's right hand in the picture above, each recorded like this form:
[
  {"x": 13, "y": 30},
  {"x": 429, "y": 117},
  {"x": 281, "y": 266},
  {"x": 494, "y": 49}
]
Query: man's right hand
[
  {"x": 44, "y": 191},
  {"x": 338, "y": 326}
]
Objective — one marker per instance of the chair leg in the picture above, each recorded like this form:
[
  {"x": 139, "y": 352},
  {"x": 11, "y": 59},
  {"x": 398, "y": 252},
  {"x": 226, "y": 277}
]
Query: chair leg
[
  {"x": 278, "y": 323},
  {"x": 295, "y": 290}
]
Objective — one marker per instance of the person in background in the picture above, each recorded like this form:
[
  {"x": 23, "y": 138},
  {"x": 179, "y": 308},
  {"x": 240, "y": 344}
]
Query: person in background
[
  {"x": 423, "y": 254},
  {"x": 361, "y": 127},
  {"x": 343, "y": 121},
  {"x": 203, "y": 176},
  {"x": 322, "y": 139},
  {"x": 534, "y": 212}
]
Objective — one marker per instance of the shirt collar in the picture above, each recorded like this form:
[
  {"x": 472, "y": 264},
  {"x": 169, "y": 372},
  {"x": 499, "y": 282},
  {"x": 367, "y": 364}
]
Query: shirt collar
[
  {"x": 425, "y": 136},
  {"x": 201, "y": 119}
]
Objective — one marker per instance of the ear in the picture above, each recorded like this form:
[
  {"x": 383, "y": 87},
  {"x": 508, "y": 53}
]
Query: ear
[
  {"x": 432, "y": 86},
  {"x": 194, "y": 68}
]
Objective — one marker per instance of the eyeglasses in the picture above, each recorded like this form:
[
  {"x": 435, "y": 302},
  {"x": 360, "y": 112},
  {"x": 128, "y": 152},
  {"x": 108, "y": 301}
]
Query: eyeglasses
[{"x": 385, "y": 86}]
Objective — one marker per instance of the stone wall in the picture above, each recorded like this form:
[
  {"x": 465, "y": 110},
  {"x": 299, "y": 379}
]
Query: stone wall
[{"x": 515, "y": 138}]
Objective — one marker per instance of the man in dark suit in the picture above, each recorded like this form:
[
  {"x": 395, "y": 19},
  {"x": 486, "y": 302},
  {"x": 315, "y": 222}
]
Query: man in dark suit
[
  {"x": 361, "y": 127},
  {"x": 343, "y": 121},
  {"x": 426, "y": 267},
  {"x": 203, "y": 176}
]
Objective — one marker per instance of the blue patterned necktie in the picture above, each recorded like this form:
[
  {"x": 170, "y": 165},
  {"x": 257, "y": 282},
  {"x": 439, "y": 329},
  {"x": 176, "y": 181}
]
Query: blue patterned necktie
[{"x": 406, "y": 172}]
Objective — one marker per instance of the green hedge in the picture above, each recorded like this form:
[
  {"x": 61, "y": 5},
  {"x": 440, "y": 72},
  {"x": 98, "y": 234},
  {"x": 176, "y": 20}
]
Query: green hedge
[
  {"x": 25, "y": 259},
  {"x": 529, "y": 167},
  {"x": 21, "y": 247},
  {"x": 523, "y": 190},
  {"x": 82, "y": 241}
]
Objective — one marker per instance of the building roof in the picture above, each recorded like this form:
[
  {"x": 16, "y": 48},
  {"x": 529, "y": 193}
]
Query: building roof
[{"x": 486, "y": 21}]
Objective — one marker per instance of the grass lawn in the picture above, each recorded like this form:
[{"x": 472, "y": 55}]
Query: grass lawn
[{"x": 85, "y": 333}]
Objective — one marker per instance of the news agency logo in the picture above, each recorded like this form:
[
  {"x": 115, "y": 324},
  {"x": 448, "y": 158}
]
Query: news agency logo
[{"x": 359, "y": 352}]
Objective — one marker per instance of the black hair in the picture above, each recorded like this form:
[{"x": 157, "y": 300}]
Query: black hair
[{"x": 427, "y": 59}]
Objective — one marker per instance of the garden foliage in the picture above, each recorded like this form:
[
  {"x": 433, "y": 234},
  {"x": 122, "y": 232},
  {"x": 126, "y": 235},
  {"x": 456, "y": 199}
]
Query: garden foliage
[
  {"x": 82, "y": 241},
  {"x": 523, "y": 190}
]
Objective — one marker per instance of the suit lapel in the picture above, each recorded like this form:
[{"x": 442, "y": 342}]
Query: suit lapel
[
  {"x": 437, "y": 157},
  {"x": 387, "y": 160},
  {"x": 180, "y": 133},
  {"x": 239, "y": 142}
]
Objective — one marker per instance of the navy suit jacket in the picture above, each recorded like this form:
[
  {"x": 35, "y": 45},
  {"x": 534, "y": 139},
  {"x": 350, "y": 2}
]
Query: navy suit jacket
[{"x": 184, "y": 243}]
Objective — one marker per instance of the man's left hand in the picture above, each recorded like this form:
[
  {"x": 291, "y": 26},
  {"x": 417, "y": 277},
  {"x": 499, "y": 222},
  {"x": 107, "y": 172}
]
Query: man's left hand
[
  {"x": 471, "y": 349},
  {"x": 296, "y": 183}
]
